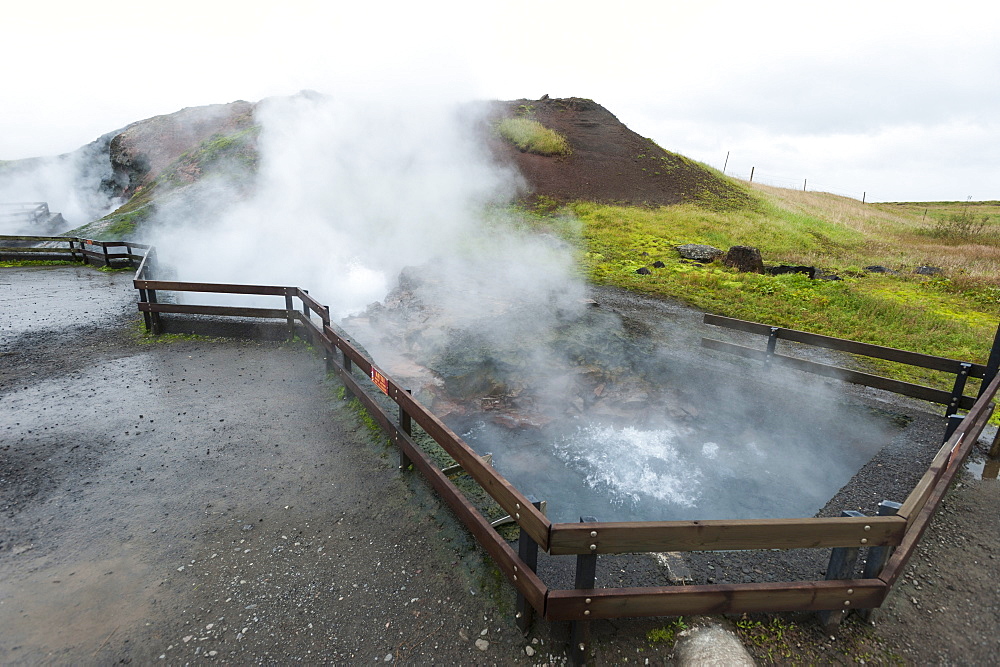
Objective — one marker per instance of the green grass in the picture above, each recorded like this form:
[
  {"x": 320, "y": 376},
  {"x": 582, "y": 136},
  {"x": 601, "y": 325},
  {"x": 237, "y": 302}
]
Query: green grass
[
  {"x": 530, "y": 135},
  {"x": 15, "y": 263},
  {"x": 955, "y": 315}
]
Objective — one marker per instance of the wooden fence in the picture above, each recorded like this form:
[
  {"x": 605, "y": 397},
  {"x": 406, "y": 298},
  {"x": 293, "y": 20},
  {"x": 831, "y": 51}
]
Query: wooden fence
[
  {"x": 890, "y": 538},
  {"x": 103, "y": 253}
]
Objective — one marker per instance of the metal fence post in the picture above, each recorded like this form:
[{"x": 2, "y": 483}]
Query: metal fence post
[
  {"x": 527, "y": 551},
  {"x": 586, "y": 578},
  {"x": 954, "y": 419},
  {"x": 843, "y": 561},
  {"x": 877, "y": 557}
]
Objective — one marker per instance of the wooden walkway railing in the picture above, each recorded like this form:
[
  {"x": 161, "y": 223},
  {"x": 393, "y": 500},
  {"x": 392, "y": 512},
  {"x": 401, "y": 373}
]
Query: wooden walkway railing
[
  {"x": 890, "y": 539},
  {"x": 103, "y": 253}
]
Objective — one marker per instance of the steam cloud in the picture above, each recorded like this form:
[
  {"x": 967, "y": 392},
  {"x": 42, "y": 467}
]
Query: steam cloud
[
  {"x": 349, "y": 193},
  {"x": 73, "y": 184}
]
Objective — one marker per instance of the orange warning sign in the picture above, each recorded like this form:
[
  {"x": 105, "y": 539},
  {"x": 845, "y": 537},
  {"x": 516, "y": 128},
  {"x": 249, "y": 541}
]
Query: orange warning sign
[{"x": 380, "y": 381}]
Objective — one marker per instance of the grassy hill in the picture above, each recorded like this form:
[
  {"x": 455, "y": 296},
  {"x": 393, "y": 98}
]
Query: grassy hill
[{"x": 954, "y": 313}]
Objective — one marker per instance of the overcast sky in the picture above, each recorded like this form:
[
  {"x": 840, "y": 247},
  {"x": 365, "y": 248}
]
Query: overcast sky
[{"x": 898, "y": 100}]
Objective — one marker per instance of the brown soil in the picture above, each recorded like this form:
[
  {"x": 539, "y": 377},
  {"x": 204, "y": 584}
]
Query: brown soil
[{"x": 609, "y": 162}]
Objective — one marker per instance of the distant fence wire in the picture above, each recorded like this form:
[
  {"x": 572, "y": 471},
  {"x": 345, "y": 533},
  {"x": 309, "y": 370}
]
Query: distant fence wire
[{"x": 791, "y": 183}]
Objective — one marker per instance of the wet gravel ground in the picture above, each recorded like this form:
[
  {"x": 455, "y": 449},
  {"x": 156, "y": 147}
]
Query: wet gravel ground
[{"x": 215, "y": 501}]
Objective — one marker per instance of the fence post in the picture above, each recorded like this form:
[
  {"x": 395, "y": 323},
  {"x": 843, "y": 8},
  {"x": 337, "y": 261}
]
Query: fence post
[
  {"x": 527, "y": 551},
  {"x": 954, "y": 419},
  {"x": 104, "y": 250},
  {"x": 406, "y": 424},
  {"x": 147, "y": 320},
  {"x": 288, "y": 313},
  {"x": 992, "y": 365},
  {"x": 843, "y": 560},
  {"x": 586, "y": 578},
  {"x": 72, "y": 249},
  {"x": 346, "y": 359},
  {"x": 877, "y": 557},
  {"x": 154, "y": 316}
]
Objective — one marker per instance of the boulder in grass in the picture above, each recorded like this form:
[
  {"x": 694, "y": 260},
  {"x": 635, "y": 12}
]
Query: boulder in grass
[
  {"x": 644, "y": 271},
  {"x": 782, "y": 269},
  {"x": 928, "y": 271},
  {"x": 878, "y": 268},
  {"x": 745, "y": 259},
  {"x": 700, "y": 253}
]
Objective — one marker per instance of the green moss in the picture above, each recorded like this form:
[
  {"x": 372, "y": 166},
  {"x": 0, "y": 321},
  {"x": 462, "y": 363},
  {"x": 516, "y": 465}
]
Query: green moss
[
  {"x": 531, "y": 136},
  {"x": 15, "y": 263},
  {"x": 668, "y": 633}
]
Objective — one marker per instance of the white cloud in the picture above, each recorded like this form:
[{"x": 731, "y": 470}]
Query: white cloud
[{"x": 694, "y": 76}]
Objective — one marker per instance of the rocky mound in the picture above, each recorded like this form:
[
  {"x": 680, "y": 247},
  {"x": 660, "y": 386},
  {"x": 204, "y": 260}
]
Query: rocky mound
[
  {"x": 609, "y": 162},
  {"x": 141, "y": 152}
]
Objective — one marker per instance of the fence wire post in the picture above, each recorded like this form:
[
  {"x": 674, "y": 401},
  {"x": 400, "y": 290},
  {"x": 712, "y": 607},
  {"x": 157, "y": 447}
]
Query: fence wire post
[
  {"x": 843, "y": 561},
  {"x": 586, "y": 578},
  {"x": 406, "y": 424},
  {"x": 877, "y": 557},
  {"x": 527, "y": 551}
]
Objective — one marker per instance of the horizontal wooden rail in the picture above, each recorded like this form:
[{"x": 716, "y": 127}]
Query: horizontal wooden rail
[
  {"x": 856, "y": 377},
  {"x": 520, "y": 576},
  {"x": 961, "y": 440},
  {"x": 653, "y": 536},
  {"x": 851, "y": 346},
  {"x": 230, "y": 311},
  {"x": 313, "y": 304},
  {"x": 221, "y": 288},
  {"x": 578, "y": 605},
  {"x": 45, "y": 251},
  {"x": 503, "y": 492},
  {"x": 13, "y": 237},
  {"x": 922, "y": 503}
]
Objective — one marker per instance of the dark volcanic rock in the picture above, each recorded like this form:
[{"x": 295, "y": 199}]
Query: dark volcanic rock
[
  {"x": 744, "y": 258},
  {"x": 782, "y": 269},
  {"x": 928, "y": 271}
]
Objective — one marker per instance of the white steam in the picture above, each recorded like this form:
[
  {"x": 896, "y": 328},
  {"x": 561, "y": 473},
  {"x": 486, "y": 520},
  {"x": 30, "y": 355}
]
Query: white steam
[
  {"x": 72, "y": 184},
  {"x": 348, "y": 193}
]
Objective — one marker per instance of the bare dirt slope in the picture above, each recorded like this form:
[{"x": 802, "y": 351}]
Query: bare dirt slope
[{"x": 609, "y": 162}]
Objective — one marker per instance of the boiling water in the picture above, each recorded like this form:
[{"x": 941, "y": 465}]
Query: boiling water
[{"x": 674, "y": 472}]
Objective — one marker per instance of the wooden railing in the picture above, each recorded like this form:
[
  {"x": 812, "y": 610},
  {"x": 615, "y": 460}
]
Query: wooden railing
[
  {"x": 890, "y": 539},
  {"x": 104, "y": 253}
]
